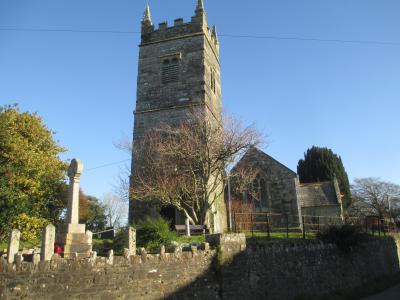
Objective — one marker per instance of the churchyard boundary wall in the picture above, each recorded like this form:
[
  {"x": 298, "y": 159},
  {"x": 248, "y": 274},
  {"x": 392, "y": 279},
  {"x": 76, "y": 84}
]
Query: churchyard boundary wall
[{"x": 230, "y": 269}]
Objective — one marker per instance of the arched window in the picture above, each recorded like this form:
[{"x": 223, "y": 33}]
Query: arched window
[
  {"x": 264, "y": 194},
  {"x": 256, "y": 193}
]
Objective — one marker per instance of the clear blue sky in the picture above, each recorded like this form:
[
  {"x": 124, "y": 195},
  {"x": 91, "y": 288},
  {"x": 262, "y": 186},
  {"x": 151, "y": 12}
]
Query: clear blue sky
[{"x": 345, "y": 96}]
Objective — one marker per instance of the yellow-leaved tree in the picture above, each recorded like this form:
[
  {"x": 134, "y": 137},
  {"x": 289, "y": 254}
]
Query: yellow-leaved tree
[{"x": 32, "y": 175}]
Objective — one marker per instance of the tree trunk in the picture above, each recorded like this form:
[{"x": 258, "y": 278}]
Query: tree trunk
[{"x": 187, "y": 227}]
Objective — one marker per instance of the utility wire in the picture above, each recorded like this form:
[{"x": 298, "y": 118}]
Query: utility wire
[
  {"x": 67, "y": 30},
  {"x": 270, "y": 37},
  {"x": 108, "y": 165},
  {"x": 367, "y": 42}
]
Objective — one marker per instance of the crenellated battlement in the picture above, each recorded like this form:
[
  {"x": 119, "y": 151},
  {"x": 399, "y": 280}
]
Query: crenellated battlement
[{"x": 180, "y": 29}]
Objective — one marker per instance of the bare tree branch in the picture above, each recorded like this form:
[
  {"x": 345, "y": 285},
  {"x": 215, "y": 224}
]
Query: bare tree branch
[
  {"x": 373, "y": 196},
  {"x": 186, "y": 165}
]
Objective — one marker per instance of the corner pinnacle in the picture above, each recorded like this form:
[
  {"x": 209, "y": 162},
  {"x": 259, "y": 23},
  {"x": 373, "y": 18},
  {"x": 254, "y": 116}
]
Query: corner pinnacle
[
  {"x": 200, "y": 6},
  {"x": 147, "y": 15}
]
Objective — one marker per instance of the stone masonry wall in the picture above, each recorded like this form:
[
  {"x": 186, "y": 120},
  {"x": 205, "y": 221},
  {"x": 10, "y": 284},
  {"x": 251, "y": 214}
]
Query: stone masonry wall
[
  {"x": 282, "y": 269},
  {"x": 305, "y": 269},
  {"x": 144, "y": 277},
  {"x": 280, "y": 189}
]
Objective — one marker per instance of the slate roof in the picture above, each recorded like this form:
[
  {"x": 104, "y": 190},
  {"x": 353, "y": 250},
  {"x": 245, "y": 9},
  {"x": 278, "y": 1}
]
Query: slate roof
[{"x": 318, "y": 194}]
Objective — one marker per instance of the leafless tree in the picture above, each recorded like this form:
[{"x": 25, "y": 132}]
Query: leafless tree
[
  {"x": 115, "y": 210},
  {"x": 185, "y": 166},
  {"x": 121, "y": 186},
  {"x": 373, "y": 196}
]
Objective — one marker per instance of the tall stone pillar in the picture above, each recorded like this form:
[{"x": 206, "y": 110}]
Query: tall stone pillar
[
  {"x": 72, "y": 236},
  {"x": 74, "y": 173}
]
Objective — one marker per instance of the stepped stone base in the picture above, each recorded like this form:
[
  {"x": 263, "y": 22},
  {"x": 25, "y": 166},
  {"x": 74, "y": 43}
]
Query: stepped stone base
[
  {"x": 72, "y": 228},
  {"x": 73, "y": 239}
]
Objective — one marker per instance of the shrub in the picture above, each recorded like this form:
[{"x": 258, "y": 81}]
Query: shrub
[
  {"x": 30, "y": 227},
  {"x": 344, "y": 236},
  {"x": 152, "y": 233}
]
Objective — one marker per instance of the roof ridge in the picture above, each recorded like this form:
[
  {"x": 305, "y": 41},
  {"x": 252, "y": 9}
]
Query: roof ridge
[
  {"x": 275, "y": 160},
  {"x": 316, "y": 183}
]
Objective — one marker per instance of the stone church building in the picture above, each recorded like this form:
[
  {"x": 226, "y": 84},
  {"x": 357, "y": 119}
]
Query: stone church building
[
  {"x": 179, "y": 72},
  {"x": 280, "y": 191}
]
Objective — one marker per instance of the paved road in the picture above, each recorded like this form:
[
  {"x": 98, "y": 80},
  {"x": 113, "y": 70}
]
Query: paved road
[{"x": 390, "y": 294}]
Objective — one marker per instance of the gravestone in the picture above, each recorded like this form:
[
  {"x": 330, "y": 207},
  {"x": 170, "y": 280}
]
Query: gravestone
[
  {"x": 127, "y": 255},
  {"x": 93, "y": 257},
  {"x": 48, "y": 239},
  {"x": 131, "y": 240},
  {"x": 36, "y": 256},
  {"x": 162, "y": 250},
  {"x": 110, "y": 259},
  {"x": 72, "y": 236},
  {"x": 13, "y": 245},
  {"x": 206, "y": 246},
  {"x": 18, "y": 261}
]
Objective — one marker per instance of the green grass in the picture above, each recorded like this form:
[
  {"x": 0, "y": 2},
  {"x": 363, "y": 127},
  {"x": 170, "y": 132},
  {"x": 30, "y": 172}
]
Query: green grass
[
  {"x": 190, "y": 239},
  {"x": 279, "y": 235},
  {"x": 376, "y": 234},
  {"x": 22, "y": 244},
  {"x": 101, "y": 242}
]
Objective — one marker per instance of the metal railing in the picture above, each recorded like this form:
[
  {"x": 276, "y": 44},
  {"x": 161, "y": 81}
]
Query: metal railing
[{"x": 286, "y": 225}]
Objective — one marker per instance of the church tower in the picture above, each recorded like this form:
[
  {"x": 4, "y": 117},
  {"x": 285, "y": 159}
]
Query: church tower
[{"x": 179, "y": 71}]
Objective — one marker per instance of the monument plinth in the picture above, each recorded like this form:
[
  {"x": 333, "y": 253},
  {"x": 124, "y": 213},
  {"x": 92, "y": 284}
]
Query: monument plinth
[{"x": 73, "y": 237}]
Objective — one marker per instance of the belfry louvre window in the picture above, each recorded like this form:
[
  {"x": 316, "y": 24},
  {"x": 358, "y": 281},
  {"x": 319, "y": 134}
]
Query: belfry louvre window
[{"x": 170, "y": 70}]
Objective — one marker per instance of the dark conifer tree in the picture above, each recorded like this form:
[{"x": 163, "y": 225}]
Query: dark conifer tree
[{"x": 321, "y": 164}]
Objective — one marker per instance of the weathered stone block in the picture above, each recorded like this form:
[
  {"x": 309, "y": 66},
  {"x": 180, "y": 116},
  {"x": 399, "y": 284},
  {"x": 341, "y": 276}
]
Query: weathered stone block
[
  {"x": 75, "y": 242},
  {"x": 82, "y": 250},
  {"x": 131, "y": 240},
  {"x": 162, "y": 250},
  {"x": 71, "y": 228},
  {"x": 36, "y": 257},
  {"x": 13, "y": 245},
  {"x": 110, "y": 259},
  {"x": 48, "y": 239},
  {"x": 18, "y": 261}
]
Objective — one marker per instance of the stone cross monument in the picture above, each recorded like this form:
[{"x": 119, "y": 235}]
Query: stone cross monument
[{"x": 72, "y": 236}]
